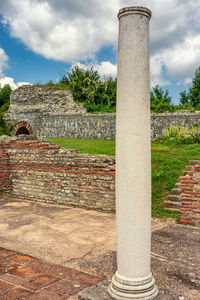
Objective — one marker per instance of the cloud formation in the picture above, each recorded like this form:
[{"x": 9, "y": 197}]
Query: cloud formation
[
  {"x": 76, "y": 30},
  {"x": 3, "y": 61},
  {"x": 8, "y": 80},
  {"x": 106, "y": 69}
]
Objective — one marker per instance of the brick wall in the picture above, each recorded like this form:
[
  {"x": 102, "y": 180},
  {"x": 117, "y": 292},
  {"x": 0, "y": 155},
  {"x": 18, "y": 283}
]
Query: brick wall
[
  {"x": 5, "y": 173},
  {"x": 42, "y": 171},
  {"x": 190, "y": 195}
]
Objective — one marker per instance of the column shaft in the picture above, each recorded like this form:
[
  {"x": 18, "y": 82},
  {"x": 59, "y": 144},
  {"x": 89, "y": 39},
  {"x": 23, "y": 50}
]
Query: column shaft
[{"x": 133, "y": 279}]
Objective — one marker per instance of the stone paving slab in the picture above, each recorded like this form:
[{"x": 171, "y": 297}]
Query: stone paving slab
[
  {"x": 84, "y": 240},
  {"x": 26, "y": 277}
]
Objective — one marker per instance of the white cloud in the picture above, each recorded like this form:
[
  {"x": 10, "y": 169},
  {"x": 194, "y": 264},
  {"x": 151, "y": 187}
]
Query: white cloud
[
  {"x": 3, "y": 61},
  {"x": 76, "y": 30},
  {"x": 106, "y": 69},
  {"x": 8, "y": 80},
  {"x": 157, "y": 77},
  {"x": 22, "y": 83}
]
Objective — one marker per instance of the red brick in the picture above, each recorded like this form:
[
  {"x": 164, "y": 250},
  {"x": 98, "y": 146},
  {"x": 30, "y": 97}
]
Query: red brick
[
  {"x": 15, "y": 294},
  {"x": 24, "y": 272}
]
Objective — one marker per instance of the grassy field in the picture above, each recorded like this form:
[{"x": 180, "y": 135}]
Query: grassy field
[{"x": 168, "y": 163}]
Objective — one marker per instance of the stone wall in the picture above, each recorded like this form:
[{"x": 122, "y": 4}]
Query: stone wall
[
  {"x": 190, "y": 195},
  {"x": 5, "y": 173},
  {"x": 53, "y": 113},
  {"x": 42, "y": 171},
  {"x": 38, "y": 170}
]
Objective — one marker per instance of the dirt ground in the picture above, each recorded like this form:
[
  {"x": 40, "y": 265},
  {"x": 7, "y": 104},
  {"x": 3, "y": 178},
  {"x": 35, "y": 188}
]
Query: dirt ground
[{"x": 84, "y": 240}]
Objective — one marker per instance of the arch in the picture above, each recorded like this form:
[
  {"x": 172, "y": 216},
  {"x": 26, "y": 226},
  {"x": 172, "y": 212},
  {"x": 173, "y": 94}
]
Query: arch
[{"x": 22, "y": 128}]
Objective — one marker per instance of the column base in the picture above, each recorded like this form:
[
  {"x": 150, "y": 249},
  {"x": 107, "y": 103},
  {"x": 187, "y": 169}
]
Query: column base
[{"x": 123, "y": 289}]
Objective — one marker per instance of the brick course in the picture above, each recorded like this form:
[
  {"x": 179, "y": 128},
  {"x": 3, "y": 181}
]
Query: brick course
[
  {"x": 5, "y": 173},
  {"x": 190, "y": 195},
  {"x": 42, "y": 171}
]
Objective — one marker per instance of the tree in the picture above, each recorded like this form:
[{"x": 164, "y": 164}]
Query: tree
[
  {"x": 88, "y": 88},
  {"x": 184, "y": 99},
  {"x": 5, "y": 93},
  {"x": 192, "y": 98},
  {"x": 160, "y": 100},
  {"x": 194, "y": 91}
]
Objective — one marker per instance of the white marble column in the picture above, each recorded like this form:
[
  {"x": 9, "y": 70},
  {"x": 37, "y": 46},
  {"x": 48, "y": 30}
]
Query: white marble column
[{"x": 133, "y": 279}]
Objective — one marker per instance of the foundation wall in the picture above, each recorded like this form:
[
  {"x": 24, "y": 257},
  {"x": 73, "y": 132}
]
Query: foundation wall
[
  {"x": 190, "y": 195},
  {"x": 44, "y": 172}
]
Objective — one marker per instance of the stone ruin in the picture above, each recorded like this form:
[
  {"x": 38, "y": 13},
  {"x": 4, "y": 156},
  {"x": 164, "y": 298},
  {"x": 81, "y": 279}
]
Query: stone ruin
[{"x": 45, "y": 111}]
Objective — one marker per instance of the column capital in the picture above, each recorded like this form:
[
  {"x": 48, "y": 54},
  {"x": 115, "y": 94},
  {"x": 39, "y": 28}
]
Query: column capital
[{"x": 139, "y": 10}]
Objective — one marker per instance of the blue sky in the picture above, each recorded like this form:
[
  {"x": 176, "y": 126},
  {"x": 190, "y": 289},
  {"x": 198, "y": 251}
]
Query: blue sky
[{"x": 41, "y": 39}]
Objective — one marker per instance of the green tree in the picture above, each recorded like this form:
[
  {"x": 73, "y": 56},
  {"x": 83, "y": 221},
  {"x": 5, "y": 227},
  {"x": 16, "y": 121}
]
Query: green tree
[
  {"x": 5, "y": 93},
  {"x": 184, "y": 99},
  {"x": 160, "y": 100},
  {"x": 194, "y": 91},
  {"x": 88, "y": 88},
  {"x": 192, "y": 98}
]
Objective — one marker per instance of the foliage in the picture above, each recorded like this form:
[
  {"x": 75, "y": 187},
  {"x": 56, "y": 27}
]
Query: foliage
[
  {"x": 88, "y": 88},
  {"x": 160, "y": 100},
  {"x": 5, "y": 93},
  {"x": 184, "y": 98},
  {"x": 168, "y": 163},
  {"x": 193, "y": 96},
  {"x": 181, "y": 135}
]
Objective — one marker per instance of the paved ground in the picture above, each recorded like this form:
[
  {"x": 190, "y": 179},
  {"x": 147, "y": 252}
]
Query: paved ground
[
  {"x": 25, "y": 277},
  {"x": 84, "y": 241}
]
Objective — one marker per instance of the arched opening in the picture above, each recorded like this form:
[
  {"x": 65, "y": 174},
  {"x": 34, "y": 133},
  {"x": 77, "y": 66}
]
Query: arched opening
[{"x": 22, "y": 130}]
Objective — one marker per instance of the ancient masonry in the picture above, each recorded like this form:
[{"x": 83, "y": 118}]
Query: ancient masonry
[
  {"x": 190, "y": 195},
  {"x": 38, "y": 170},
  {"x": 45, "y": 111}
]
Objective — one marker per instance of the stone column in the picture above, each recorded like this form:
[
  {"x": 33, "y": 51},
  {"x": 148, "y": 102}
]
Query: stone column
[{"x": 133, "y": 279}]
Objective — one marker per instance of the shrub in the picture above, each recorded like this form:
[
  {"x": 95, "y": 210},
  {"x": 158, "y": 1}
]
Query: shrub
[{"x": 181, "y": 135}]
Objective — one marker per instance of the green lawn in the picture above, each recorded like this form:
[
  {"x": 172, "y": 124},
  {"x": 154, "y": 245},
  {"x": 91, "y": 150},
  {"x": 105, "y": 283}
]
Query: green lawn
[{"x": 168, "y": 163}]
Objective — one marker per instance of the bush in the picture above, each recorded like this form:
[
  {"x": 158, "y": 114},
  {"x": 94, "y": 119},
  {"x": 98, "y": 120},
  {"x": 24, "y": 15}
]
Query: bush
[
  {"x": 5, "y": 93},
  {"x": 181, "y": 135},
  {"x": 87, "y": 88}
]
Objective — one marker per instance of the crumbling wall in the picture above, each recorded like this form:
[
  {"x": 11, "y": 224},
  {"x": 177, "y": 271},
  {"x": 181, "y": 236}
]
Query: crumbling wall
[
  {"x": 42, "y": 171},
  {"x": 54, "y": 113},
  {"x": 190, "y": 195},
  {"x": 5, "y": 173}
]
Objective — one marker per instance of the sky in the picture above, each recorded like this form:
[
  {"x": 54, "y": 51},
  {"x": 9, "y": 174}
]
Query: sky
[{"x": 41, "y": 40}]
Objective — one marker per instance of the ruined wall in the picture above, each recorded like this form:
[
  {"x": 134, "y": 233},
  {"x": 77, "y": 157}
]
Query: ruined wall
[
  {"x": 42, "y": 171},
  {"x": 53, "y": 113},
  {"x": 5, "y": 173},
  {"x": 190, "y": 195},
  {"x": 38, "y": 170}
]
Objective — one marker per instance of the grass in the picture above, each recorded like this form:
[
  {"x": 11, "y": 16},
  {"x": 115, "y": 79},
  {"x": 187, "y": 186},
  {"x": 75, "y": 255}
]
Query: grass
[
  {"x": 87, "y": 145},
  {"x": 168, "y": 163}
]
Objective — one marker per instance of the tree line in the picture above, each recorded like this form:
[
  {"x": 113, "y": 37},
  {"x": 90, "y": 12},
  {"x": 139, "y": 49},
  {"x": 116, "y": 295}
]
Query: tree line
[{"x": 99, "y": 95}]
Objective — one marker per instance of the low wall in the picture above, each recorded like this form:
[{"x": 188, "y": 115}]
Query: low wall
[
  {"x": 94, "y": 126},
  {"x": 5, "y": 173},
  {"x": 39, "y": 170},
  {"x": 42, "y": 171},
  {"x": 190, "y": 195}
]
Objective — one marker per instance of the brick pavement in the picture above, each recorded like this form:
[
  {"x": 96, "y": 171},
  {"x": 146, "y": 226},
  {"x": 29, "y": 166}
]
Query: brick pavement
[{"x": 26, "y": 277}]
